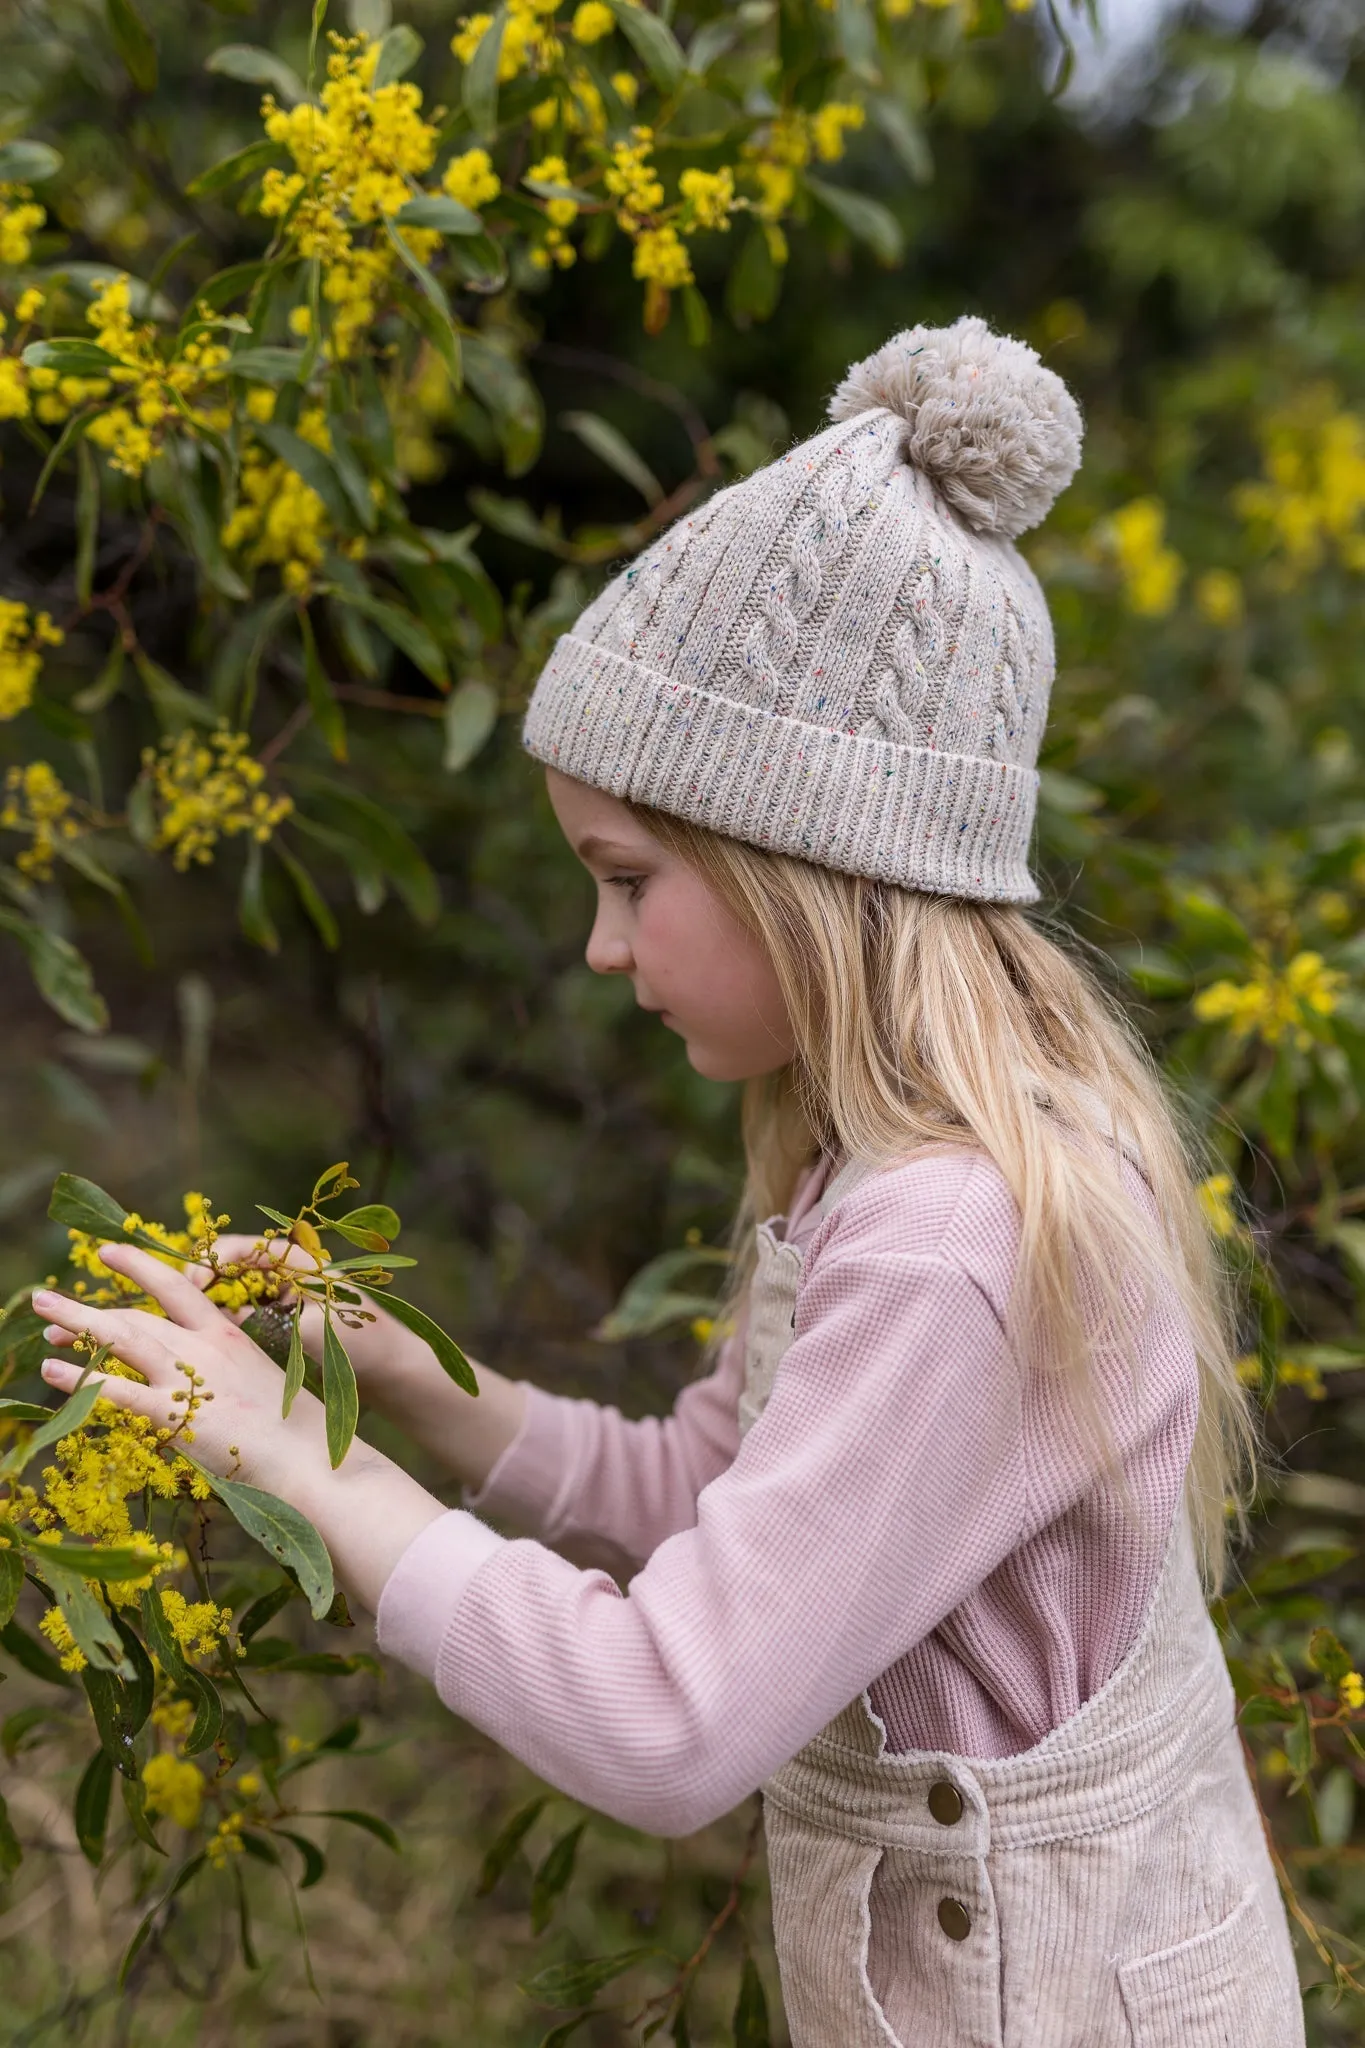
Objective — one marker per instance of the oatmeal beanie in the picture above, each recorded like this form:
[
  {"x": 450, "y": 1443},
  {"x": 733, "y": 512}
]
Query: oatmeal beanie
[{"x": 844, "y": 656}]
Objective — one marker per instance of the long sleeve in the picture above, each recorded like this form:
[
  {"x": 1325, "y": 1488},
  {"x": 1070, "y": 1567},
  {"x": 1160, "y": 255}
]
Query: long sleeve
[{"x": 576, "y": 1469}]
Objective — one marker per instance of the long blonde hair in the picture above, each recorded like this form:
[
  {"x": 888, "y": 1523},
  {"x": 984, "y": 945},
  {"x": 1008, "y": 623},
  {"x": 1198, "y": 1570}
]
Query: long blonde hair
[{"x": 920, "y": 1019}]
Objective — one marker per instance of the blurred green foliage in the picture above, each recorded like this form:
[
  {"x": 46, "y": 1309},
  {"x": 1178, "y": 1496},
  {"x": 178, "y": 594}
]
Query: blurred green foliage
[{"x": 410, "y": 993}]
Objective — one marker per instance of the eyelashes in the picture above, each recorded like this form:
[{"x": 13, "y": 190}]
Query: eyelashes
[{"x": 632, "y": 884}]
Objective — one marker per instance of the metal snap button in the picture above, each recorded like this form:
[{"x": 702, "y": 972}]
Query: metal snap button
[
  {"x": 945, "y": 1802},
  {"x": 954, "y": 1919}
]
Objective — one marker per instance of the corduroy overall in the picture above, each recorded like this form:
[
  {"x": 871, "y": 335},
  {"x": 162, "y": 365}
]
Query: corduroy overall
[{"x": 1108, "y": 1888}]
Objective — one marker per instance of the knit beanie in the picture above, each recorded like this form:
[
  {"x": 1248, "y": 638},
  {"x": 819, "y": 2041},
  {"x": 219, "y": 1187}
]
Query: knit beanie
[{"x": 844, "y": 656}]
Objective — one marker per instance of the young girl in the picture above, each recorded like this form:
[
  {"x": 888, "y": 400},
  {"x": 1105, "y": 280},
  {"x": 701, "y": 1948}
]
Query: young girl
[{"x": 922, "y": 1556}]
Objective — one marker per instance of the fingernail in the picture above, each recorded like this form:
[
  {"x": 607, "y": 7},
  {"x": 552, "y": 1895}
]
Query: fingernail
[
  {"x": 57, "y": 1372},
  {"x": 54, "y": 1333}
]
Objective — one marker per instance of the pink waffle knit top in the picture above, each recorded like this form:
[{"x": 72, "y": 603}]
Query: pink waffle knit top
[{"x": 914, "y": 1514}]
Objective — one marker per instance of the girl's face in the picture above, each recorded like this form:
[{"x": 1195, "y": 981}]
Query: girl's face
[{"x": 687, "y": 954}]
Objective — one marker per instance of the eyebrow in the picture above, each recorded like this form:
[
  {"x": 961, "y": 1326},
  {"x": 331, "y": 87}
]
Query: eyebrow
[{"x": 595, "y": 846}]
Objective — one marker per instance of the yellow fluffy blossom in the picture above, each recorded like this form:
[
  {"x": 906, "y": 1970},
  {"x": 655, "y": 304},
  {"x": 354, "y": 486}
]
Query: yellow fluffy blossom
[
  {"x": 36, "y": 803},
  {"x": 661, "y": 259},
  {"x": 632, "y": 180},
  {"x": 1298, "y": 1372},
  {"x": 831, "y": 124},
  {"x": 20, "y": 219},
  {"x": 1274, "y": 1002},
  {"x": 55, "y": 1627},
  {"x": 225, "y": 1841},
  {"x": 1218, "y": 597},
  {"x": 174, "y": 1717},
  {"x": 1151, "y": 571},
  {"x": 710, "y": 196},
  {"x": 199, "y": 1626},
  {"x": 1215, "y": 1199},
  {"x": 29, "y": 305},
  {"x": 592, "y": 21},
  {"x": 280, "y": 521},
  {"x": 23, "y": 636},
  {"x": 100, "y": 1468},
  {"x": 15, "y": 403},
  {"x": 248, "y": 1786},
  {"x": 1311, "y": 497},
  {"x": 1351, "y": 1692},
  {"x": 552, "y": 170},
  {"x": 207, "y": 789},
  {"x": 529, "y": 42},
  {"x": 471, "y": 179},
  {"x": 173, "y": 1786}
]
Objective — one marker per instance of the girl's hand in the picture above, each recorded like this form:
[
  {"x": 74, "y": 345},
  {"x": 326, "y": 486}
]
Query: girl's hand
[
  {"x": 382, "y": 1352},
  {"x": 238, "y": 1429}
]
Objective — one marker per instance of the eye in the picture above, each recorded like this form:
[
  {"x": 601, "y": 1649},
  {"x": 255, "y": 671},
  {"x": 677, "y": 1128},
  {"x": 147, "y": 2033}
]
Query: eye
[{"x": 632, "y": 884}]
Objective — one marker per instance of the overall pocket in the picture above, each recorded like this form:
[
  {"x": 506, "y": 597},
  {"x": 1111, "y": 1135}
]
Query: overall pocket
[{"x": 1219, "y": 1989}]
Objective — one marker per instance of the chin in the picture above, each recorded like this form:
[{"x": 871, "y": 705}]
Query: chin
[{"x": 713, "y": 1064}]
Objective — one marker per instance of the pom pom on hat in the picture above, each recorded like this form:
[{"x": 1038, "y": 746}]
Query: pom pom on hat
[{"x": 997, "y": 434}]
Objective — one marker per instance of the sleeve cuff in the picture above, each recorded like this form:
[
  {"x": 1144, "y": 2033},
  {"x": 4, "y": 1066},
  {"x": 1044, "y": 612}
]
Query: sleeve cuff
[
  {"x": 418, "y": 1603},
  {"x": 527, "y": 1483}
]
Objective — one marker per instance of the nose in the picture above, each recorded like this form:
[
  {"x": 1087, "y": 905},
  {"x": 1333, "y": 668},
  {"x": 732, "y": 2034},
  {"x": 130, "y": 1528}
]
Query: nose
[{"x": 607, "y": 951}]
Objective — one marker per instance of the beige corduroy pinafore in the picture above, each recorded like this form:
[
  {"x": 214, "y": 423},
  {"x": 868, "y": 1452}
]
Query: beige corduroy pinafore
[{"x": 1108, "y": 1888}]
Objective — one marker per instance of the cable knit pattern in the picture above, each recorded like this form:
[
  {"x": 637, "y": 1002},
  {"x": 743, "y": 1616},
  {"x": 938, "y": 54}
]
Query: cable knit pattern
[{"x": 844, "y": 656}]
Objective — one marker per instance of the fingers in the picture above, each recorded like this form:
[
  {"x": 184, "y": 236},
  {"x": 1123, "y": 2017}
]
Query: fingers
[
  {"x": 134, "y": 1334},
  {"x": 183, "y": 1302},
  {"x": 139, "y": 1400}
]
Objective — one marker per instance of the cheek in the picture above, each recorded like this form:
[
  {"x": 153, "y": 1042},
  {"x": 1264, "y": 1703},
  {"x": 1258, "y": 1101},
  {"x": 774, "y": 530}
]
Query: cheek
[{"x": 702, "y": 963}]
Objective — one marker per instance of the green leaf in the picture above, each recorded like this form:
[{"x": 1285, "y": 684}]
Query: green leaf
[
  {"x": 19, "y": 1725},
  {"x": 315, "y": 904},
  {"x": 61, "y": 975},
  {"x": 398, "y": 52},
  {"x": 288, "y": 1536},
  {"x": 23, "y": 1411},
  {"x": 81, "y": 1205},
  {"x": 91, "y": 1627},
  {"x": 11, "y": 1585},
  {"x": 266, "y": 365},
  {"x": 72, "y": 1413},
  {"x": 1300, "y": 1567},
  {"x": 904, "y": 134},
  {"x": 23, "y": 162},
  {"x": 565, "y": 1984},
  {"x": 327, "y": 714},
  {"x": 187, "y": 1678},
  {"x": 867, "y": 220},
  {"x": 340, "y": 1396},
  {"x": 755, "y": 282},
  {"x": 92, "y": 1806},
  {"x": 1299, "y": 1745},
  {"x": 11, "y": 1854},
  {"x": 471, "y": 713},
  {"x": 115, "y": 1564},
  {"x": 173, "y": 706},
  {"x": 480, "y": 89},
  {"x": 379, "y": 837},
  {"x": 183, "y": 1876},
  {"x": 437, "y": 210},
  {"x": 502, "y": 385},
  {"x": 559, "y": 2036},
  {"x": 314, "y": 1862},
  {"x": 507, "y": 1842},
  {"x": 34, "y": 1657},
  {"x": 1335, "y": 1804},
  {"x": 370, "y": 1822},
  {"x": 313, "y": 466},
  {"x": 654, "y": 43},
  {"x": 87, "y": 520},
  {"x": 750, "y": 2029},
  {"x": 252, "y": 65},
  {"x": 408, "y": 634},
  {"x": 448, "y": 1353},
  {"x": 553, "y": 1876},
  {"x": 440, "y": 329},
  {"x": 133, "y": 40},
  {"x": 69, "y": 358},
  {"x": 606, "y": 442},
  {"x": 230, "y": 170},
  {"x": 252, "y": 914}
]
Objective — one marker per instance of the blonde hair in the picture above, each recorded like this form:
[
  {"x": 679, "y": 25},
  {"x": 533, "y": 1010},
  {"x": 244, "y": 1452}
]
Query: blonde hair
[{"x": 923, "y": 1019}]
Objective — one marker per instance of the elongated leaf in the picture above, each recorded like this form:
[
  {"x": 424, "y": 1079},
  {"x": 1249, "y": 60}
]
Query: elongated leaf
[
  {"x": 480, "y": 89},
  {"x": 82, "y": 1205},
  {"x": 188, "y": 1679},
  {"x": 507, "y": 1842},
  {"x": 375, "y": 1217},
  {"x": 24, "y": 162},
  {"x": 370, "y": 1822},
  {"x": 23, "y": 1411},
  {"x": 579, "y": 1983},
  {"x": 437, "y": 210},
  {"x": 34, "y": 1657},
  {"x": 183, "y": 1876},
  {"x": 115, "y": 1564},
  {"x": 499, "y": 380},
  {"x": 90, "y": 1625},
  {"x": 313, "y": 466},
  {"x": 61, "y": 975},
  {"x": 72, "y": 1413},
  {"x": 653, "y": 41},
  {"x": 255, "y": 66},
  {"x": 92, "y": 1806},
  {"x": 174, "y": 706},
  {"x": 867, "y": 220},
  {"x": 470, "y": 716},
  {"x": 266, "y": 365},
  {"x": 243, "y": 163},
  {"x": 327, "y": 714},
  {"x": 440, "y": 330},
  {"x": 408, "y": 634},
  {"x": 615, "y": 450},
  {"x": 252, "y": 913},
  {"x": 11, "y": 1585},
  {"x": 11, "y": 1853},
  {"x": 315, "y": 904},
  {"x": 314, "y": 1862},
  {"x": 751, "y": 2009},
  {"x": 135, "y": 1806},
  {"x": 288, "y": 1536},
  {"x": 87, "y": 519},
  {"x": 398, "y": 52},
  {"x": 133, "y": 40},
  {"x": 339, "y": 1394},
  {"x": 554, "y": 1875},
  {"x": 449, "y": 1356}
]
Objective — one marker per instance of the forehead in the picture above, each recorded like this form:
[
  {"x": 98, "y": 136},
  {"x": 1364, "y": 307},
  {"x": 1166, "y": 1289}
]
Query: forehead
[{"x": 590, "y": 819}]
